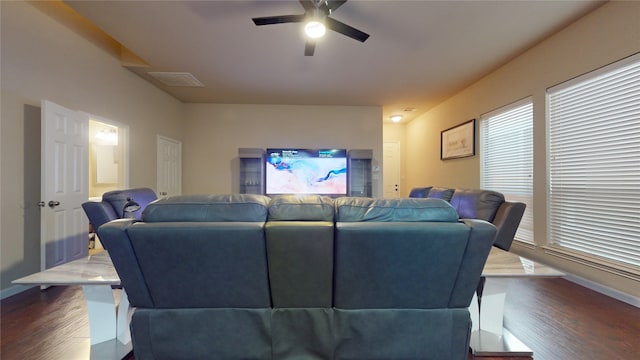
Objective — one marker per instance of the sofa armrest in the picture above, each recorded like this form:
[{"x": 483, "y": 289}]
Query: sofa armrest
[
  {"x": 475, "y": 255},
  {"x": 118, "y": 198},
  {"x": 114, "y": 236},
  {"x": 99, "y": 213},
  {"x": 507, "y": 221}
]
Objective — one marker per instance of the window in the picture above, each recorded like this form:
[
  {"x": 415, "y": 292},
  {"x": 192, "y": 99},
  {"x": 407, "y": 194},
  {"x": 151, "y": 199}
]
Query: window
[
  {"x": 506, "y": 158},
  {"x": 594, "y": 165}
]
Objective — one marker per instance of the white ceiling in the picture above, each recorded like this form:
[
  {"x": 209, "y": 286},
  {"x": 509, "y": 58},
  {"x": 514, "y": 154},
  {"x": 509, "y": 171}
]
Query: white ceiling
[{"x": 419, "y": 52}]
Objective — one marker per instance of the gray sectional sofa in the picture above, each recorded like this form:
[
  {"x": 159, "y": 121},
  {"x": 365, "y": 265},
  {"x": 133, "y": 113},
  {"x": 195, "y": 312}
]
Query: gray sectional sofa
[
  {"x": 299, "y": 277},
  {"x": 480, "y": 204},
  {"x": 112, "y": 205}
]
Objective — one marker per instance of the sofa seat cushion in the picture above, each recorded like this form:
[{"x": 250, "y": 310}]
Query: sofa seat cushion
[
  {"x": 212, "y": 208},
  {"x": 477, "y": 204},
  {"x": 353, "y": 209},
  {"x": 301, "y": 208}
]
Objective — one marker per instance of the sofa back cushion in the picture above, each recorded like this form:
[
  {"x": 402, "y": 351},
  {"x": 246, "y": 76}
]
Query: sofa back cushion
[
  {"x": 400, "y": 265},
  {"x": 421, "y": 192},
  {"x": 441, "y": 193},
  {"x": 118, "y": 198},
  {"x": 299, "y": 237},
  {"x": 301, "y": 208},
  {"x": 357, "y": 209},
  {"x": 208, "y": 208},
  {"x": 202, "y": 264},
  {"x": 477, "y": 204}
]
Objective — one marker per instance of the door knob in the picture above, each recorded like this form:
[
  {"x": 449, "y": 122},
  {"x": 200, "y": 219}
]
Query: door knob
[{"x": 53, "y": 204}]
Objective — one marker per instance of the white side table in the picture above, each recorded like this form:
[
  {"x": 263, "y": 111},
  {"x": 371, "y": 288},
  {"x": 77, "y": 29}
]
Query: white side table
[
  {"x": 488, "y": 335},
  {"x": 108, "y": 319}
]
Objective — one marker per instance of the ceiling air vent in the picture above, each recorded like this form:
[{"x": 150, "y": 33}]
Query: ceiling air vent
[{"x": 177, "y": 79}]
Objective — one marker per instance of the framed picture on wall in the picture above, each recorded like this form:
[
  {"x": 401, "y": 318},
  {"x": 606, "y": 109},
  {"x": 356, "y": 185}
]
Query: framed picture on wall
[{"x": 458, "y": 141}]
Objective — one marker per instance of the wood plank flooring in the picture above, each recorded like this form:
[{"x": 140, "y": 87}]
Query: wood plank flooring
[
  {"x": 45, "y": 325},
  {"x": 561, "y": 320},
  {"x": 557, "y": 319}
]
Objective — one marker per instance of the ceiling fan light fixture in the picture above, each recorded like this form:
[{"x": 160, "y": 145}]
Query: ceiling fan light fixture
[
  {"x": 315, "y": 29},
  {"x": 396, "y": 118}
]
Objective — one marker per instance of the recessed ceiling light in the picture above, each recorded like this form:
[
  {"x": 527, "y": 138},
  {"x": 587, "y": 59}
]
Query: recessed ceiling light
[{"x": 396, "y": 118}]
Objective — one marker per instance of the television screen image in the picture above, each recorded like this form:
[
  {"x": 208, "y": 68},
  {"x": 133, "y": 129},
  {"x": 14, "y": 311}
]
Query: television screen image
[{"x": 305, "y": 171}]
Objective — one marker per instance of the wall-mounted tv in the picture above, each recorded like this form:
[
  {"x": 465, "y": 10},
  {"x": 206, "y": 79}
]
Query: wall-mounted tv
[{"x": 306, "y": 171}]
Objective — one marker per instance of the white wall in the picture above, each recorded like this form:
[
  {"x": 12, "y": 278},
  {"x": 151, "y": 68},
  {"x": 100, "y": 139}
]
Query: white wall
[
  {"x": 44, "y": 59},
  {"x": 395, "y": 132},
  {"x": 608, "y": 34},
  {"x": 214, "y": 132}
]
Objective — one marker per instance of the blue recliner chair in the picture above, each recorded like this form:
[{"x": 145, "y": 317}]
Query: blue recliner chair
[{"x": 118, "y": 204}]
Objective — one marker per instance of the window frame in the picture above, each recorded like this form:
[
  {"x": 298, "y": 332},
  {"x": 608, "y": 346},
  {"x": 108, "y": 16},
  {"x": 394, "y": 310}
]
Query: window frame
[
  {"x": 525, "y": 234},
  {"x": 555, "y": 246}
]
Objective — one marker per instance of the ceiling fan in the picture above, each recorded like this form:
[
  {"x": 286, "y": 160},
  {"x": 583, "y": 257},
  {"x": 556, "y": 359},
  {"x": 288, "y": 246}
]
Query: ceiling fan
[{"x": 317, "y": 17}]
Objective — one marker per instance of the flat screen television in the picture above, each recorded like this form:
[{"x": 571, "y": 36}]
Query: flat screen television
[{"x": 306, "y": 171}]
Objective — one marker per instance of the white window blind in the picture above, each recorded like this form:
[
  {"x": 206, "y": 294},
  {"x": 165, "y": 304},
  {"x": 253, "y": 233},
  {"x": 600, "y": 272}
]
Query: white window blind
[
  {"x": 506, "y": 158},
  {"x": 594, "y": 165}
]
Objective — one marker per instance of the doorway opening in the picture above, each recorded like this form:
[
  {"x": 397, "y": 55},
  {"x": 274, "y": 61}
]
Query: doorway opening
[
  {"x": 108, "y": 156},
  {"x": 108, "y": 164}
]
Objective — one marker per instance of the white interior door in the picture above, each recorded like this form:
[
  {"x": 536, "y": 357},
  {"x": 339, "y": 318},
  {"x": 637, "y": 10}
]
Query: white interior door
[
  {"x": 391, "y": 169},
  {"x": 169, "y": 167},
  {"x": 64, "y": 185}
]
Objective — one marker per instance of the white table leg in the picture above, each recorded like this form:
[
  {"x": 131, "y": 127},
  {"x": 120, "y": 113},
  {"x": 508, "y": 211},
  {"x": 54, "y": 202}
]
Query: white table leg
[
  {"x": 492, "y": 307},
  {"x": 124, "y": 319},
  {"x": 108, "y": 323},
  {"x": 488, "y": 336},
  {"x": 102, "y": 312}
]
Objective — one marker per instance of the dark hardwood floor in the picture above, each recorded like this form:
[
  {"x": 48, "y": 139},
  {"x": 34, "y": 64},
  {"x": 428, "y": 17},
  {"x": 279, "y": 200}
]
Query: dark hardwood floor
[{"x": 557, "y": 319}]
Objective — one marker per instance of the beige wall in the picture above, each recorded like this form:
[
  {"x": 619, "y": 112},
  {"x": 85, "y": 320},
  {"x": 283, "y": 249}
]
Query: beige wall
[
  {"x": 214, "y": 132},
  {"x": 44, "y": 59},
  {"x": 610, "y": 33}
]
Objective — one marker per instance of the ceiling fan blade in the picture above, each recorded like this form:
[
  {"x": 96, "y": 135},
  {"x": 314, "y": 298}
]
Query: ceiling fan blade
[
  {"x": 282, "y": 19},
  {"x": 309, "y": 48},
  {"x": 332, "y": 5},
  {"x": 346, "y": 30}
]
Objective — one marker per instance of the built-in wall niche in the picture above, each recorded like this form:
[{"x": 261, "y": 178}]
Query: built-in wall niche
[{"x": 300, "y": 166}]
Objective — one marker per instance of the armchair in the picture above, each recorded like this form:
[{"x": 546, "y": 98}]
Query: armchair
[
  {"x": 113, "y": 205},
  {"x": 480, "y": 204}
]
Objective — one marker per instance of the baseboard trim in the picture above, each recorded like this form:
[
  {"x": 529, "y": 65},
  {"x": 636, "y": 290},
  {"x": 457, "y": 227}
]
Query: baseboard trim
[
  {"x": 13, "y": 290},
  {"x": 605, "y": 290}
]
